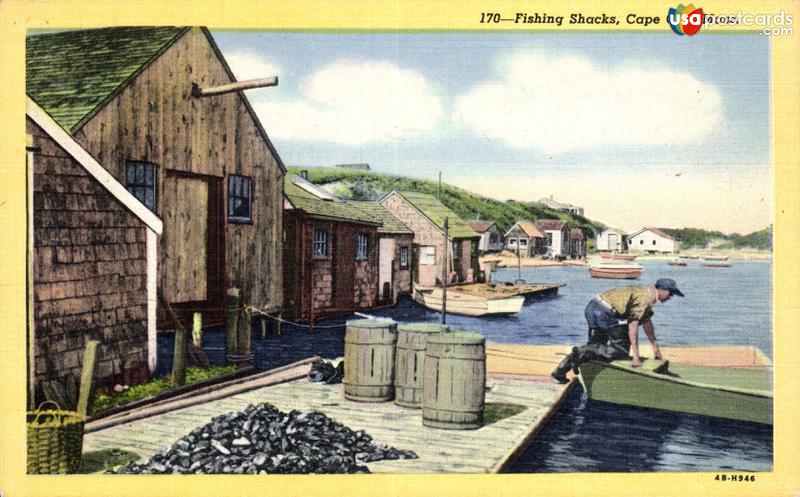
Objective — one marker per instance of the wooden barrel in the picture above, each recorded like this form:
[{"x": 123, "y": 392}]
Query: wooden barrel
[
  {"x": 369, "y": 360},
  {"x": 454, "y": 380},
  {"x": 409, "y": 361}
]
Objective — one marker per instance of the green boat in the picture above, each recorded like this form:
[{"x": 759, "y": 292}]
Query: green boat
[{"x": 738, "y": 393}]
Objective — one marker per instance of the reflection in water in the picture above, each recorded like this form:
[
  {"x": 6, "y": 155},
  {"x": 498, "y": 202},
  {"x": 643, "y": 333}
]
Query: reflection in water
[{"x": 593, "y": 436}]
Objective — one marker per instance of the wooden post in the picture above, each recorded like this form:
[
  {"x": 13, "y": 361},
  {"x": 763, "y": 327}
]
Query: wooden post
[
  {"x": 197, "y": 330},
  {"x": 279, "y": 324},
  {"x": 243, "y": 336},
  {"x": 262, "y": 321},
  {"x": 232, "y": 323},
  {"x": 179, "y": 358},
  {"x": 86, "y": 395},
  {"x": 445, "y": 275}
]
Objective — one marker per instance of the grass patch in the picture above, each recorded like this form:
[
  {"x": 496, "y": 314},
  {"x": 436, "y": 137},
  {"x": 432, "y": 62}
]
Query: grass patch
[
  {"x": 155, "y": 387},
  {"x": 497, "y": 411},
  {"x": 101, "y": 461}
]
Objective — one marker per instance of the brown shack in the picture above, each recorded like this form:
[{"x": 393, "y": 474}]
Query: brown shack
[
  {"x": 330, "y": 254},
  {"x": 425, "y": 216},
  {"x": 156, "y": 107},
  {"x": 93, "y": 264}
]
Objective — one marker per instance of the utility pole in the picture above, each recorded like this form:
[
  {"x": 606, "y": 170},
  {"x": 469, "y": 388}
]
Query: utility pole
[
  {"x": 444, "y": 273},
  {"x": 439, "y": 190}
]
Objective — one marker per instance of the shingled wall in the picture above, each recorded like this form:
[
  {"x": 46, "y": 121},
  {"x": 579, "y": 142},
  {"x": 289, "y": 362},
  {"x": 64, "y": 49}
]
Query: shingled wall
[{"x": 89, "y": 269}]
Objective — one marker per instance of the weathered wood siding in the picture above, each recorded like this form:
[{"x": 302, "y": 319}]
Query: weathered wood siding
[
  {"x": 89, "y": 272},
  {"x": 155, "y": 119},
  {"x": 427, "y": 234},
  {"x": 402, "y": 276}
]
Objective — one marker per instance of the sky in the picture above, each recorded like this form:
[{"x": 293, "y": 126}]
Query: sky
[{"x": 639, "y": 129}]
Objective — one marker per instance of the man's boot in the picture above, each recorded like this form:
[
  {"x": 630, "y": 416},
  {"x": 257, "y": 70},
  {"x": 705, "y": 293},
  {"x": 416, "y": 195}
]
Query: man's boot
[{"x": 560, "y": 373}]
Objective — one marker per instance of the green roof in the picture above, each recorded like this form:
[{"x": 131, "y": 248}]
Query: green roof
[
  {"x": 391, "y": 225},
  {"x": 327, "y": 209},
  {"x": 437, "y": 212},
  {"x": 70, "y": 74}
]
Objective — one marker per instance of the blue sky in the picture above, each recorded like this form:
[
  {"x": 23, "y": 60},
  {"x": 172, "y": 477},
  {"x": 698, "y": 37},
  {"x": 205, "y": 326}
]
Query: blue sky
[{"x": 608, "y": 121}]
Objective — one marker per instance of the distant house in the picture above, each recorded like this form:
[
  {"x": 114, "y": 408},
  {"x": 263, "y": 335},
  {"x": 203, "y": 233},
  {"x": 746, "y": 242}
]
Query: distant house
[
  {"x": 94, "y": 264},
  {"x": 154, "y": 106},
  {"x": 652, "y": 240},
  {"x": 577, "y": 243},
  {"x": 491, "y": 236},
  {"x": 557, "y": 234},
  {"x": 425, "y": 216},
  {"x": 330, "y": 251},
  {"x": 395, "y": 242},
  {"x": 611, "y": 240},
  {"x": 562, "y": 207},
  {"x": 530, "y": 240}
]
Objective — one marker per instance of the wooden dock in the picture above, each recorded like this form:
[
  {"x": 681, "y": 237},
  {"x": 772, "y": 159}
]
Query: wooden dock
[{"x": 520, "y": 397}]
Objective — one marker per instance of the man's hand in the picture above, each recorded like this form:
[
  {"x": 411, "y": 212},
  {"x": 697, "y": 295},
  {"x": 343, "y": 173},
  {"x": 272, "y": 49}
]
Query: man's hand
[{"x": 636, "y": 362}]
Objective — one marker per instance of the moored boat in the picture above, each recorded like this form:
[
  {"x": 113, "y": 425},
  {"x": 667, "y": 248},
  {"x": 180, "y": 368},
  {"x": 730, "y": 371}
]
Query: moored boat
[
  {"x": 743, "y": 394},
  {"x": 715, "y": 257},
  {"x": 677, "y": 262},
  {"x": 713, "y": 263},
  {"x": 617, "y": 257},
  {"x": 469, "y": 301},
  {"x": 615, "y": 271}
]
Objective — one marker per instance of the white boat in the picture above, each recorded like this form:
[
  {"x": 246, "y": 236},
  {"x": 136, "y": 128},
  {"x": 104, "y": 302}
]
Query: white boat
[
  {"x": 468, "y": 302},
  {"x": 631, "y": 271}
]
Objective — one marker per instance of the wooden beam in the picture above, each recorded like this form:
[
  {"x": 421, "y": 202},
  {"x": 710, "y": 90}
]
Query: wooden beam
[
  {"x": 85, "y": 397},
  {"x": 232, "y": 87}
]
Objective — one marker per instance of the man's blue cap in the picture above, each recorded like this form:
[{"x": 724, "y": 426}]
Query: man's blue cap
[{"x": 669, "y": 285}]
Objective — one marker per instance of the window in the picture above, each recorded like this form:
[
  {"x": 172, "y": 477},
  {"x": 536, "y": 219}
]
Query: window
[
  {"x": 455, "y": 247},
  {"x": 239, "y": 198},
  {"x": 654, "y": 242},
  {"x": 403, "y": 257},
  {"x": 140, "y": 180},
  {"x": 641, "y": 242},
  {"x": 523, "y": 242},
  {"x": 362, "y": 246},
  {"x": 320, "y": 248},
  {"x": 427, "y": 255},
  {"x": 549, "y": 238}
]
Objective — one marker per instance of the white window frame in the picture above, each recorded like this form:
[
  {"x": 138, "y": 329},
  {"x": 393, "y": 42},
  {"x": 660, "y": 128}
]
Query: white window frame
[
  {"x": 362, "y": 246},
  {"x": 320, "y": 244},
  {"x": 427, "y": 255}
]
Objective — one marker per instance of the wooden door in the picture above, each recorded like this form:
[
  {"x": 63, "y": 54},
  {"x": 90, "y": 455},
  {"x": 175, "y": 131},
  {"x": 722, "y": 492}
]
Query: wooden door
[
  {"x": 386, "y": 251},
  {"x": 185, "y": 239}
]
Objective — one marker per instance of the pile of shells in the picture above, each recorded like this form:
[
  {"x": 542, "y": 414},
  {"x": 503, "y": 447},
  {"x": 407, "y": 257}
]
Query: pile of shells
[{"x": 262, "y": 439}]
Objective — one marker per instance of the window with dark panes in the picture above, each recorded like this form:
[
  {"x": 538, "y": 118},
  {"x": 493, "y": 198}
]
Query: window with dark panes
[
  {"x": 240, "y": 195},
  {"x": 140, "y": 180},
  {"x": 320, "y": 248},
  {"x": 454, "y": 248},
  {"x": 403, "y": 257},
  {"x": 362, "y": 246}
]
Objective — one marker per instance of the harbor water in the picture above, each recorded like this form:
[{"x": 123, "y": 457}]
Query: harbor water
[{"x": 723, "y": 306}]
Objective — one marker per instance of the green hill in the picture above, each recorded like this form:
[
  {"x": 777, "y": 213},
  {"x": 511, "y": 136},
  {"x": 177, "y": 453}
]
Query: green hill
[
  {"x": 366, "y": 185},
  {"x": 698, "y": 238}
]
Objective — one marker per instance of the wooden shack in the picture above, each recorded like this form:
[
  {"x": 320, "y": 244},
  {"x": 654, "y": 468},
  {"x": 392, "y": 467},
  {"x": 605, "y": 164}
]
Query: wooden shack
[
  {"x": 556, "y": 232},
  {"x": 491, "y": 236},
  {"x": 395, "y": 241},
  {"x": 425, "y": 216},
  {"x": 93, "y": 264},
  {"x": 527, "y": 238},
  {"x": 150, "y": 104},
  {"x": 577, "y": 243},
  {"x": 330, "y": 254}
]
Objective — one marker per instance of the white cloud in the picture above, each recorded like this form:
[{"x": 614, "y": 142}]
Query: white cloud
[
  {"x": 354, "y": 103},
  {"x": 559, "y": 104},
  {"x": 250, "y": 65}
]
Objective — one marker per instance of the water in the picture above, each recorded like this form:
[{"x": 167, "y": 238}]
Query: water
[{"x": 729, "y": 306}]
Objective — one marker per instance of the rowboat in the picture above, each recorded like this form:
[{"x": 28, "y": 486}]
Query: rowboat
[
  {"x": 617, "y": 257},
  {"x": 743, "y": 394},
  {"x": 469, "y": 301},
  {"x": 615, "y": 271},
  {"x": 677, "y": 262},
  {"x": 715, "y": 257},
  {"x": 711, "y": 263}
]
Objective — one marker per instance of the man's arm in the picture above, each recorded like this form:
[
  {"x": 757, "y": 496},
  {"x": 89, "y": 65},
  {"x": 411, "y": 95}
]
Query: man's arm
[
  {"x": 650, "y": 331},
  {"x": 633, "y": 335}
]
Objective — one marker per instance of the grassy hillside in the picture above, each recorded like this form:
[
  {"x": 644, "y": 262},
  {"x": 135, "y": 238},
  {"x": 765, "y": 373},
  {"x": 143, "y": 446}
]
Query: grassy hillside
[
  {"x": 697, "y": 238},
  {"x": 366, "y": 185}
]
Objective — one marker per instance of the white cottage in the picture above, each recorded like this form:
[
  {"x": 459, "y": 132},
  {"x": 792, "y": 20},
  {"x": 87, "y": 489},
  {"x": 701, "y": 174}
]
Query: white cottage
[
  {"x": 611, "y": 240},
  {"x": 652, "y": 240},
  {"x": 556, "y": 233}
]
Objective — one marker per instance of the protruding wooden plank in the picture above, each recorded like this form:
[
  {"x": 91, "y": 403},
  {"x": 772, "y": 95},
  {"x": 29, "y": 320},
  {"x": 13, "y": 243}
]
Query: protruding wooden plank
[{"x": 85, "y": 397}]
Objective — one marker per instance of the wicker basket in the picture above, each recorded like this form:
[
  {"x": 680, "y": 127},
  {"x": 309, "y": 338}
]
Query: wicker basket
[{"x": 55, "y": 440}]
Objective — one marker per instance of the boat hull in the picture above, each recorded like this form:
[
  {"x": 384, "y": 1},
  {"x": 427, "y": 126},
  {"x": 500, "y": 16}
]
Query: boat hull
[
  {"x": 468, "y": 304},
  {"x": 615, "y": 273},
  {"x": 618, "y": 257},
  {"x": 618, "y": 383}
]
